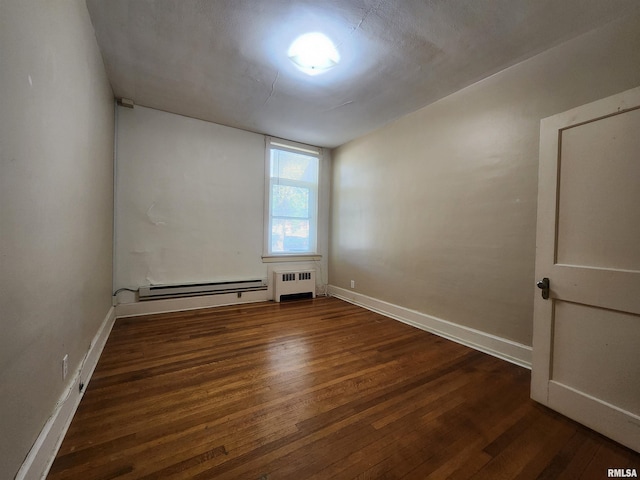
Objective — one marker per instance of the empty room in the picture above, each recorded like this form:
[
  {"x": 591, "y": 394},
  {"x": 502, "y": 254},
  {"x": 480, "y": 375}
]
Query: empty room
[{"x": 358, "y": 239}]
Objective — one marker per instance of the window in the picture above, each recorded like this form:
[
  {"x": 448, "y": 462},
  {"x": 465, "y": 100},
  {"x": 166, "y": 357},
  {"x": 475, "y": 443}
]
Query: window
[{"x": 292, "y": 198}]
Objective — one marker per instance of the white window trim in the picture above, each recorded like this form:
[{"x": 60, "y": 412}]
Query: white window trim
[
  {"x": 294, "y": 147},
  {"x": 291, "y": 257}
]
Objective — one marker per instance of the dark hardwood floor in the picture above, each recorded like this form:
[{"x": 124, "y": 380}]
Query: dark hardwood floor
[{"x": 314, "y": 389}]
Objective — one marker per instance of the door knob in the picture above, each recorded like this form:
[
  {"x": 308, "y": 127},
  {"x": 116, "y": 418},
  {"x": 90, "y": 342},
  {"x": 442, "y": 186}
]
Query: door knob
[{"x": 544, "y": 286}]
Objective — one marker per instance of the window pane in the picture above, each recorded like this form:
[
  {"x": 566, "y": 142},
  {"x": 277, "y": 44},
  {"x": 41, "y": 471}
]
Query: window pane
[
  {"x": 294, "y": 166},
  {"x": 289, "y": 236},
  {"x": 289, "y": 201},
  {"x": 293, "y": 200}
]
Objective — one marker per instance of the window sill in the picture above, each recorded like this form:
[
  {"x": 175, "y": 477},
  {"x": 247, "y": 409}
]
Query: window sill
[{"x": 295, "y": 257}]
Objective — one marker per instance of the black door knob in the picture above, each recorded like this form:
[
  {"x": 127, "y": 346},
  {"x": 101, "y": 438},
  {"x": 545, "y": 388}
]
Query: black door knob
[{"x": 544, "y": 286}]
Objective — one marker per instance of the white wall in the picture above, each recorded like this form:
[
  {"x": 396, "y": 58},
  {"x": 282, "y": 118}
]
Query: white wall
[
  {"x": 437, "y": 211},
  {"x": 190, "y": 202},
  {"x": 56, "y": 210}
]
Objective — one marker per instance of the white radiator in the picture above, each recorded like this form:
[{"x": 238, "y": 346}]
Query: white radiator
[
  {"x": 294, "y": 282},
  {"x": 153, "y": 292}
]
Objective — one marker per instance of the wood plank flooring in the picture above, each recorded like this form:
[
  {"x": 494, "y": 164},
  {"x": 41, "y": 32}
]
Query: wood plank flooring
[{"x": 314, "y": 389}]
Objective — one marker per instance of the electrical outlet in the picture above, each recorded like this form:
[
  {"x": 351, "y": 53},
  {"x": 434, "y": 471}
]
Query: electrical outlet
[
  {"x": 353, "y": 284},
  {"x": 65, "y": 366}
]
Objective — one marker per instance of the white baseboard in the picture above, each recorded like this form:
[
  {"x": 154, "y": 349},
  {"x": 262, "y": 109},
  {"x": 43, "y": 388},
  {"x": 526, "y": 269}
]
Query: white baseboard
[
  {"x": 189, "y": 303},
  {"x": 493, "y": 345},
  {"x": 44, "y": 450}
]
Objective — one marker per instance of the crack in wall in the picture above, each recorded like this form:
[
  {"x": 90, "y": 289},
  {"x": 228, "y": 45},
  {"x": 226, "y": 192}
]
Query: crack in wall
[
  {"x": 362, "y": 20},
  {"x": 338, "y": 106},
  {"x": 366, "y": 14},
  {"x": 152, "y": 216},
  {"x": 273, "y": 88}
]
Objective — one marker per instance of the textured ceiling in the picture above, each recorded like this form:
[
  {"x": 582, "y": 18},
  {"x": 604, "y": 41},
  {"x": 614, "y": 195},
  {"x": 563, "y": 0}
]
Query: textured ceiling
[{"x": 225, "y": 60}]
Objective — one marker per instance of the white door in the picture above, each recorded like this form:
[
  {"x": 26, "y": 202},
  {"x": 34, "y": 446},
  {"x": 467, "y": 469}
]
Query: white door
[{"x": 586, "y": 338}]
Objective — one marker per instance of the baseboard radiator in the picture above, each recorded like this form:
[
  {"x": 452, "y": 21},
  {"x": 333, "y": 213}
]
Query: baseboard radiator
[
  {"x": 155, "y": 292},
  {"x": 293, "y": 283}
]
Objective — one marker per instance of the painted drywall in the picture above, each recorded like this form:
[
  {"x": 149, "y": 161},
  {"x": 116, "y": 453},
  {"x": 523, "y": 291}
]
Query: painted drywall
[
  {"x": 226, "y": 62},
  {"x": 437, "y": 211},
  {"x": 56, "y": 209},
  {"x": 190, "y": 202}
]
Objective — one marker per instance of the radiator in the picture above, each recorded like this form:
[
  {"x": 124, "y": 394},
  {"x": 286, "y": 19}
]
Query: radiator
[
  {"x": 294, "y": 282},
  {"x": 153, "y": 292}
]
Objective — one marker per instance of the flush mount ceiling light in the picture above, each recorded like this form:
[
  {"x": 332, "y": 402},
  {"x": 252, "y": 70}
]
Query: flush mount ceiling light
[{"x": 313, "y": 53}]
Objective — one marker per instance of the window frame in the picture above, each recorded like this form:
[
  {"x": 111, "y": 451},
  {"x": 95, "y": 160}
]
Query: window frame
[{"x": 314, "y": 200}]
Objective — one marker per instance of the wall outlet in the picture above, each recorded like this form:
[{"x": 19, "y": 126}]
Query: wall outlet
[
  {"x": 353, "y": 284},
  {"x": 65, "y": 366}
]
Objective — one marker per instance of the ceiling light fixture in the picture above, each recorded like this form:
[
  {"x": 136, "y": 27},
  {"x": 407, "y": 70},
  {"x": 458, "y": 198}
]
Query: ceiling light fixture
[{"x": 313, "y": 53}]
